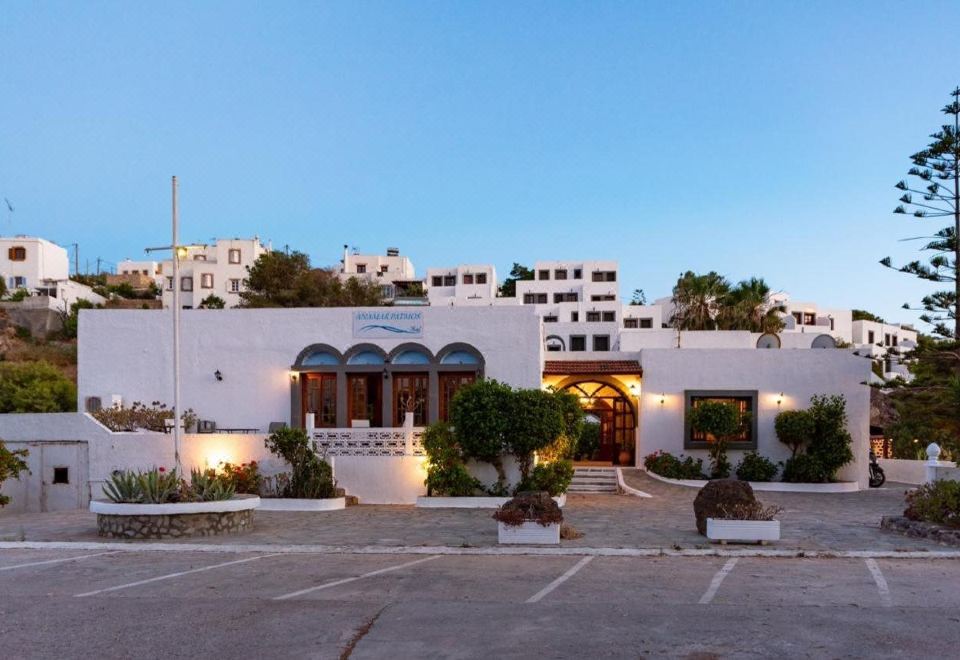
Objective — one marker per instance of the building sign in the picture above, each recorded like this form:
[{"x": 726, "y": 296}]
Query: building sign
[{"x": 382, "y": 325}]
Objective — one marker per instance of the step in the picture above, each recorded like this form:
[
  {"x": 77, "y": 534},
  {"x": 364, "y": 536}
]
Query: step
[
  {"x": 593, "y": 480},
  {"x": 581, "y": 489}
]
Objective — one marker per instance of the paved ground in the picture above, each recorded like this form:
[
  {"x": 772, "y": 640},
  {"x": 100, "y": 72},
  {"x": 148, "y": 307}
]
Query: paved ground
[
  {"x": 845, "y": 521},
  {"x": 56, "y": 603}
]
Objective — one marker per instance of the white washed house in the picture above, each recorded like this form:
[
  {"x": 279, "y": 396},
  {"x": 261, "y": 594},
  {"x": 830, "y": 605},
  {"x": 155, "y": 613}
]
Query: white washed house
[{"x": 42, "y": 268}]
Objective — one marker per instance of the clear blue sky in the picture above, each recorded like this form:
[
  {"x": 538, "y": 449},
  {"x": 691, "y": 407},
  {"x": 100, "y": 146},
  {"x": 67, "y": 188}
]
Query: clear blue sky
[{"x": 753, "y": 138}]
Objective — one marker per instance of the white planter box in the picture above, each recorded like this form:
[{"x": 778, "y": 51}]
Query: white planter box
[
  {"x": 471, "y": 502},
  {"x": 236, "y": 503},
  {"x": 295, "y": 504},
  {"x": 529, "y": 533},
  {"x": 751, "y": 531}
]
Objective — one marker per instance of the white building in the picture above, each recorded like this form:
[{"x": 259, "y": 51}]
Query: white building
[
  {"x": 462, "y": 285},
  {"x": 42, "y": 268},
  {"x": 151, "y": 269},
  {"x": 394, "y": 273},
  {"x": 212, "y": 270}
]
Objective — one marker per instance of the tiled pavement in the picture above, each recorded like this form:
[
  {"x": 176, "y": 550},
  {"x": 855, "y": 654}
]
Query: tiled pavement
[{"x": 845, "y": 521}]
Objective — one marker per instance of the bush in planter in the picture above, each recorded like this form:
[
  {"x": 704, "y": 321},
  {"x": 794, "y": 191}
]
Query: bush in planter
[
  {"x": 718, "y": 421},
  {"x": 667, "y": 465},
  {"x": 158, "y": 486},
  {"x": 747, "y": 511},
  {"x": 794, "y": 427},
  {"x": 447, "y": 475},
  {"x": 937, "y": 502},
  {"x": 553, "y": 478},
  {"x": 754, "y": 467},
  {"x": 310, "y": 476},
  {"x": 142, "y": 417},
  {"x": 830, "y": 444},
  {"x": 11, "y": 465},
  {"x": 804, "y": 468},
  {"x": 719, "y": 495},
  {"x": 244, "y": 478},
  {"x": 480, "y": 413},
  {"x": 529, "y": 507}
]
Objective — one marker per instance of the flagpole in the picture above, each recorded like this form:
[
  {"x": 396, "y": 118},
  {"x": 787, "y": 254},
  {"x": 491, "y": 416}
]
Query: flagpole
[{"x": 176, "y": 333}]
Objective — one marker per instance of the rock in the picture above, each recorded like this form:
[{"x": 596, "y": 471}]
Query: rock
[{"x": 727, "y": 492}]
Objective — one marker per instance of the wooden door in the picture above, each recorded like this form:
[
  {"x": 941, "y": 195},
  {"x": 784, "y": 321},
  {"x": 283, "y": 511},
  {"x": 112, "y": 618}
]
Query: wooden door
[
  {"x": 365, "y": 398},
  {"x": 410, "y": 393},
  {"x": 449, "y": 384},
  {"x": 319, "y": 397}
]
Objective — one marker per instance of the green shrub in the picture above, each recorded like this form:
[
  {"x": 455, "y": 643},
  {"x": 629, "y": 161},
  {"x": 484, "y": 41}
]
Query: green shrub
[
  {"x": 447, "y": 474},
  {"x": 589, "y": 443},
  {"x": 480, "y": 413},
  {"x": 36, "y": 387},
  {"x": 70, "y": 321},
  {"x": 667, "y": 465},
  {"x": 830, "y": 444},
  {"x": 157, "y": 486},
  {"x": 141, "y": 416},
  {"x": 719, "y": 421},
  {"x": 244, "y": 478},
  {"x": 535, "y": 422},
  {"x": 23, "y": 332},
  {"x": 19, "y": 295},
  {"x": 754, "y": 467},
  {"x": 937, "y": 502},
  {"x": 310, "y": 476},
  {"x": 206, "y": 486},
  {"x": 553, "y": 477},
  {"x": 804, "y": 468},
  {"x": 794, "y": 427},
  {"x": 12, "y": 463}
]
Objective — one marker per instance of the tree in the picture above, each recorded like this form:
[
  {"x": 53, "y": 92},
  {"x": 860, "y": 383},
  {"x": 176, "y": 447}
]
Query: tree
[
  {"x": 278, "y": 279},
  {"x": 480, "y": 414},
  {"x": 794, "y": 427},
  {"x": 639, "y": 297},
  {"x": 70, "y": 321},
  {"x": 537, "y": 420},
  {"x": 830, "y": 443},
  {"x": 517, "y": 274},
  {"x": 718, "y": 421},
  {"x": 3, "y": 287},
  {"x": 697, "y": 300},
  {"x": 864, "y": 315},
  {"x": 35, "y": 387},
  {"x": 937, "y": 166},
  {"x": 12, "y": 463},
  {"x": 748, "y": 307},
  {"x": 213, "y": 301}
]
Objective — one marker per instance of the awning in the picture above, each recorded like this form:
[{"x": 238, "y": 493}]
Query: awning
[{"x": 582, "y": 367}]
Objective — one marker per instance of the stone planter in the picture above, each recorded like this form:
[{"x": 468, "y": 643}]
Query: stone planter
[
  {"x": 745, "y": 531},
  {"x": 529, "y": 533},
  {"x": 180, "y": 520},
  {"x": 297, "y": 504},
  {"x": 471, "y": 502}
]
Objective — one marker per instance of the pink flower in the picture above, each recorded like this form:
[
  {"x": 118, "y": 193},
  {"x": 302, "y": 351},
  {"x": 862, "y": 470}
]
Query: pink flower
[{"x": 161, "y": 469}]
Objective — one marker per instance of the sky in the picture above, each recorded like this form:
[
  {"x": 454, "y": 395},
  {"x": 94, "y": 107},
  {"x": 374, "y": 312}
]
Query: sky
[{"x": 751, "y": 138}]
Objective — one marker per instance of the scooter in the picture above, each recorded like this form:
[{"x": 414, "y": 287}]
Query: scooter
[{"x": 877, "y": 477}]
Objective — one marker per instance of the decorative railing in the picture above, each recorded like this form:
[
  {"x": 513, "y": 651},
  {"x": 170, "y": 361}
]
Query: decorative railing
[{"x": 369, "y": 441}]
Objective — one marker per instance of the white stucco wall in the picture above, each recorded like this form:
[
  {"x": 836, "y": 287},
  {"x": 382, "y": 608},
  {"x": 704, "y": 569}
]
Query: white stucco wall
[
  {"x": 797, "y": 374},
  {"x": 129, "y": 353}
]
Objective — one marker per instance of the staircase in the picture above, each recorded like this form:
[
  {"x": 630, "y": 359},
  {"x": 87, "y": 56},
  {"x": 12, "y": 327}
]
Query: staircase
[{"x": 594, "y": 480}]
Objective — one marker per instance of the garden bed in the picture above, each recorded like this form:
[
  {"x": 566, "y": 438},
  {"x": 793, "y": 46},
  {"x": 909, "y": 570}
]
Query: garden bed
[
  {"x": 178, "y": 520},
  {"x": 920, "y": 529},
  {"x": 772, "y": 486},
  {"x": 472, "y": 502},
  {"x": 300, "y": 504}
]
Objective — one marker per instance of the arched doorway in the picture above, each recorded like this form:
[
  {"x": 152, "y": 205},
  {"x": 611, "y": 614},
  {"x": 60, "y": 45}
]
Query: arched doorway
[{"x": 607, "y": 406}]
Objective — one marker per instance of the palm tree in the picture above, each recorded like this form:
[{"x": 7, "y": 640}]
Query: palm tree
[
  {"x": 698, "y": 299},
  {"x": 748, "y": 306}
]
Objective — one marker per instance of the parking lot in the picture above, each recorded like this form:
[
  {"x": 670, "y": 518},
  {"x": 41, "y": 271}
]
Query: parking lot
[{"x": 103, "y": 603}]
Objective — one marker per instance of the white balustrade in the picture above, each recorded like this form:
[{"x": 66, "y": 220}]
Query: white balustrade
[{"x": 403, "y": 441}]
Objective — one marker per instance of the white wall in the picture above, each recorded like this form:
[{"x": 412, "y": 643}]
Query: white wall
[
  {"x": 44, "y": 261},
  {"x": 129, "y": 352},
  {"x": 797, "y": 374}
]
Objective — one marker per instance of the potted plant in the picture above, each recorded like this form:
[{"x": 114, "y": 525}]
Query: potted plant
[
  {"x": 529, "y": 518},
  {"x": 749, "y": 522}
]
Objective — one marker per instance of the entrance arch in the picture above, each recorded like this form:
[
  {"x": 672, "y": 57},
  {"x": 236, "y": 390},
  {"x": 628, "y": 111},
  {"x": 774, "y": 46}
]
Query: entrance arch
[{"x": 614, "y": 410}]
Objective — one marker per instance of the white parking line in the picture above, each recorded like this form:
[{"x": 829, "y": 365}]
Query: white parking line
[
  {"x": 535, "y": 598},
  {"x": 717, "y": 580},
  {"x": 336, "y": 583},
  {"x": 170, "y": 576},
  {"x": 56, "y": 561},
  {"x": 881, "y": 581}
]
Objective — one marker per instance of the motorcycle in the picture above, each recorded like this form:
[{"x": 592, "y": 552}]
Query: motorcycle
[{"x": 877, "y": 477}]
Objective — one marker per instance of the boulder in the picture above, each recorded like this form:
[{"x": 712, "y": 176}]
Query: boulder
[{"x": 726, "y": 492}]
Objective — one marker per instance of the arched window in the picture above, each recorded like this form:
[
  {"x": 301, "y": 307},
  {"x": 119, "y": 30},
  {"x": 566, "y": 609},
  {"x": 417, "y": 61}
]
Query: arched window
[
  {"x": 555, "y": 343},
  {"x": 365, "y": 357},
  {"x": 411, "y": 356},
  {"x": 320, "y": 359},
  {"x": 459, "y": 357}
]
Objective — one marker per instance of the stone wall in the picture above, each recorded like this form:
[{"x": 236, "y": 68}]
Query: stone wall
[{"x": 181, "y": 525}]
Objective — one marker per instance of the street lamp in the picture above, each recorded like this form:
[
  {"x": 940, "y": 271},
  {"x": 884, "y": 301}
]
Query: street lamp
[{"x": 178, "y": 252}]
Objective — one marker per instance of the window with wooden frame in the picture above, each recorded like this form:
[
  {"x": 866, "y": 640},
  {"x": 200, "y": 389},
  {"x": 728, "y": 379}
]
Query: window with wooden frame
[
  {"x": 320, "y": 398},
  {"x": 233, "y": 256},
  {"x": 481, "y": 278},
  {"x": 745, "y": 402},
  {"x": 206, "y": 280},
  {"x": 17, "y": 253}
]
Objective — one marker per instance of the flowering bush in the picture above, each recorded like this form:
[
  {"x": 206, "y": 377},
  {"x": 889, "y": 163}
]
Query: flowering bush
[
  {"x": 244, "y": 478},
  {"x": 142, "y": 417},
  {"x": 529, "y": 507},
  {"x": 667, "y": 465}
]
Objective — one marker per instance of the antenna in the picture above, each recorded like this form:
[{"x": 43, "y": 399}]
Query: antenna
[{"x": 9, "y": 212}]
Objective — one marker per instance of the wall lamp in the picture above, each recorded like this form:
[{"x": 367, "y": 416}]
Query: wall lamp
[
  {"x": 218, "y": 375},
  {"x": 663, "y": 398},
  {"x": 780, "y": 399},
  {"x": 293, "y": 376},
  {"x": 386, "y": 374}
]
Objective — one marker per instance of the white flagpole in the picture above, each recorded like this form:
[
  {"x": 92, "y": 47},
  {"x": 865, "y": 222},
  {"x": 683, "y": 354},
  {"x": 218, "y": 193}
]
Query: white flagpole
[{"x": 176, "y": 335}]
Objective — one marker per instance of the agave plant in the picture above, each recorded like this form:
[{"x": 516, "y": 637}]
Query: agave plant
[
  {"x": 205, "y": 486},
  {"x": 159, "y": 486},
  {"x": 124, "y": 487}
]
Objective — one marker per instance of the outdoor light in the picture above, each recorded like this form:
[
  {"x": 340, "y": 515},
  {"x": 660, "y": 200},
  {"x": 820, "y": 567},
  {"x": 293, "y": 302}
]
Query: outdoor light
[
  {"x": 218, "y": 375},
  {"x": 780, "y": 399},
  {"x": 293, "y": 376},
  {"x": 386, "y": 374},
  {"x": 663, "y": 398}
]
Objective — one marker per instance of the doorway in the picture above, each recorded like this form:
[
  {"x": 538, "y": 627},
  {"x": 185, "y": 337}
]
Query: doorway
[
  {"x": 365, "y": 399},
  {"x": 610, "y": 419}
]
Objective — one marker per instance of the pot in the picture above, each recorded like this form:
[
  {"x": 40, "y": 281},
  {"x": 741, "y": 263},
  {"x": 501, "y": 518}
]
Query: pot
[{"x": 624, "y": 457}]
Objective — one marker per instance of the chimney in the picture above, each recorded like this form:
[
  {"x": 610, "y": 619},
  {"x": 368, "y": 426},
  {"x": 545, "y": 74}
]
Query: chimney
[{"x": 346, "y": 258}]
